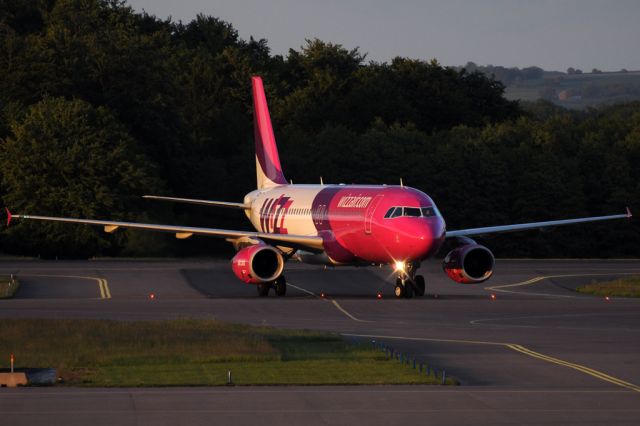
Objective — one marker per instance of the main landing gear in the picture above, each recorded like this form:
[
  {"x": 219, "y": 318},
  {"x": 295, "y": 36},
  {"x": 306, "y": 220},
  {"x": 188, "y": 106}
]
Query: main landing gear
[
  {"x": 279, "y": 285},
  {"x": 408, "y": 283}
]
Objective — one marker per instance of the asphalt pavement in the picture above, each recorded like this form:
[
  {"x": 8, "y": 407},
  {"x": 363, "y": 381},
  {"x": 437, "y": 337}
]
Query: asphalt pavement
[{"x": 525, "y": 346}]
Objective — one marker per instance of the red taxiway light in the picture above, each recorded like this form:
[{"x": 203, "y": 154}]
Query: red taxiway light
[
  {"x": 379, "y": 295},
  {"x": 152, "y": 296},
  {"x": 322, "y": 295},
  {"x": 607, "y": 298},
  {"x": 493, "y": 297}
]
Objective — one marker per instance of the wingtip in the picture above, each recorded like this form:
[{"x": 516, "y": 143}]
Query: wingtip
[
  {"x": 629, "y": 215},
  {"x": 9, "y": 216}
]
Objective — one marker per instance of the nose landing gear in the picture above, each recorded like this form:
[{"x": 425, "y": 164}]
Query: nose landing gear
[{"x": 408, "y": 283}]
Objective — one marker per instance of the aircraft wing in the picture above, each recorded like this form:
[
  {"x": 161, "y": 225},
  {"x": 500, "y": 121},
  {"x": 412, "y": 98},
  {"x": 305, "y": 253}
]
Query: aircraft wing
[
  {"x": 307, "y": 242},
  {"x": 226, "y": 204},
  {"x": 533, "y": 225}
]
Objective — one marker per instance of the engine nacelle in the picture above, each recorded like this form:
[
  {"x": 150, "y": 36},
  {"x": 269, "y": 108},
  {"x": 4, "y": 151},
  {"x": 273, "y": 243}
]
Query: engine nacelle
[
  {"x": 257, "y": 264},
  {"x": 469, "y": 264}
]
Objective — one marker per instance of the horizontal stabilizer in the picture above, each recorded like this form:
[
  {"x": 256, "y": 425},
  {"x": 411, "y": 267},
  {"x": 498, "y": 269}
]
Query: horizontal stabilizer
[{"x": 226, "y": 204}]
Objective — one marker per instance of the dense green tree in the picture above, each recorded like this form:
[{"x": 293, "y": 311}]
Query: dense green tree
[
  {"x": 99, "y": 104},
  {"x": 67, "y": 158}
]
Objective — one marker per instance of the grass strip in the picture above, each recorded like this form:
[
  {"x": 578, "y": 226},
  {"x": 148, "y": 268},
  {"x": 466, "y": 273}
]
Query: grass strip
[
  {"x": 621, "y": 287},
  {"x": 196, "y": 353},
  {"x": 8, "y": 286}
]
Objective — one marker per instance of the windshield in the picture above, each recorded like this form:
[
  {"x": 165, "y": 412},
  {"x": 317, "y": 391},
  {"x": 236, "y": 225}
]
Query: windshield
[{"x": 411, "y": 212}]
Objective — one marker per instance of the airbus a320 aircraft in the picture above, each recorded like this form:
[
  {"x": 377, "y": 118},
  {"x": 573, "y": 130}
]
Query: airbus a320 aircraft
[{"x": 335, "y": 225}]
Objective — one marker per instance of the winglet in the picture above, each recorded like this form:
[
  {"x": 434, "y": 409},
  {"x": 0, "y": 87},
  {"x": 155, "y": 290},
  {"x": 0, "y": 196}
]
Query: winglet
[
  {"x": 9, "y": 216},
  {"x": 629, "y": 215}
]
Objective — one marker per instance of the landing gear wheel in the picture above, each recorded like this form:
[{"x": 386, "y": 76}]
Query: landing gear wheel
[
  {"x": 399, "y": 290},
  {"x": 419, "y": 282},
  {"x": 280, "y": 285},
  {"x": 408, "y": 289},
  {"x": 263, "y": 289}
]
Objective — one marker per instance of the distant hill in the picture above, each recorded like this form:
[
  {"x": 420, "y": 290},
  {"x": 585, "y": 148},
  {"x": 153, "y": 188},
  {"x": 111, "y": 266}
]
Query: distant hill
[{"x": 572, "y": 89}]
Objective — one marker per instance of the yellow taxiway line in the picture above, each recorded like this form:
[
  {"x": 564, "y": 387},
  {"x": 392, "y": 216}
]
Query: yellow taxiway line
[
  {"x": 521, "y": 349},
  {"x": 103, "y": 287},
  {"x": 534, "y": 280},
  {"x": 334, "y": 302}
]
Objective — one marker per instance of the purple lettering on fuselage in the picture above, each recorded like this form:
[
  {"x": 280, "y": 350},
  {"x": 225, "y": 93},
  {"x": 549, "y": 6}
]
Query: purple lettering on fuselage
[{"x": 272, "y": 214}]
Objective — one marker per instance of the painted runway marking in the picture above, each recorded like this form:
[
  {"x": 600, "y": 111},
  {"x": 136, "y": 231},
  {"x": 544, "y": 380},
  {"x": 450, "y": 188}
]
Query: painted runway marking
[
  {"x": 344, "y": 311},
  {"x": 534, "y": 280},
  {"x": 519, "y": 348},
  {"x": 302, "y": 289},
  {"x": 335, "y": 303},
  {"x": 103, "y": 287},
  {"x": 595, "y": 373}
]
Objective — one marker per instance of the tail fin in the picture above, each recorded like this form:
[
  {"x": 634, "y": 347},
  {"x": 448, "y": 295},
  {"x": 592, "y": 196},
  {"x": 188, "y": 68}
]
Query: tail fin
[{"x": 268, "y": 169}]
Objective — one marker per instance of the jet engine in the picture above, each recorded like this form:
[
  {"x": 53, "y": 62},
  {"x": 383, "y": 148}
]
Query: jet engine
[
  {"x": 257, "y": 264},
  {"x": 469, "y": 264}
]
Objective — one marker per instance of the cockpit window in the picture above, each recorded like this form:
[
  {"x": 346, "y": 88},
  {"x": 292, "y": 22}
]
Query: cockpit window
[
  {"x": 428, "y": 212},
  {"x": 412, "y": 212}
]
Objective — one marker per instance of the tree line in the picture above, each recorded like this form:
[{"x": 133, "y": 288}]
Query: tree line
[{"x": 100, "y": 104}]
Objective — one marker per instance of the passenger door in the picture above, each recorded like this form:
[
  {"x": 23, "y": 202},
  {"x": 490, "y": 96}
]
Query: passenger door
[{"x": 368, "y": 215}]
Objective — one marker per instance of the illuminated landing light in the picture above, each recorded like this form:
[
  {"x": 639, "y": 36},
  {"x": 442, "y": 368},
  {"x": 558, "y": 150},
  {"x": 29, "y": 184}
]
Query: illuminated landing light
[
  {"x": 493, "y": 297},
  {"x": 152, "y": 296},
  {"x": 379, "y": 295},
  {"x": 399, "y": 266}
]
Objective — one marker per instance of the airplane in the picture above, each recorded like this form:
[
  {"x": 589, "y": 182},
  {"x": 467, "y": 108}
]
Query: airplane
[{"x": 334, "y": 225}]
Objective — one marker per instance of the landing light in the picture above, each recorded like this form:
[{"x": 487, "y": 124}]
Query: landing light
[{"x": 399, "y": 266}]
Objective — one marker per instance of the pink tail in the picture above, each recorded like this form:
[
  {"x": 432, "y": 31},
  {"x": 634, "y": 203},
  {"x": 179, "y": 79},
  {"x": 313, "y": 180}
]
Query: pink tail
[{"x": 268, "y": 167}]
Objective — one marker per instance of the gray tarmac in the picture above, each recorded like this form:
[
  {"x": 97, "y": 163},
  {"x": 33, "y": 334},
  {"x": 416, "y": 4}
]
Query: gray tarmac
[{"x": 537, "y": 353}]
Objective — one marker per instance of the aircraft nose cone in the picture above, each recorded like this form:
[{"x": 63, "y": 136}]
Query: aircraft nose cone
[{"x": 429, "y": 236}]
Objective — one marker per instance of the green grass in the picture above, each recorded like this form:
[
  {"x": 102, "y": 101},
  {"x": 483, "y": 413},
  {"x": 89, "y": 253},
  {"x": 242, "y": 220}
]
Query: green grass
[
  {"x": 622, "y": 287},
  {"x": 8, "y": 287},
  {"x": 196, "y": 352}
]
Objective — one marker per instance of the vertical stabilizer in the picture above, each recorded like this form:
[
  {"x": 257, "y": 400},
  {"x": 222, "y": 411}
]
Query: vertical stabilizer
[{"x": 268, "y": 169}]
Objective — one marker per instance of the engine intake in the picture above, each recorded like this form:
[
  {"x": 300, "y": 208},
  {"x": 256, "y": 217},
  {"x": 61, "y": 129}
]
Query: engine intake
[
  {"x": 257, "y": 264},
  {"x": 469, "y": 264}
]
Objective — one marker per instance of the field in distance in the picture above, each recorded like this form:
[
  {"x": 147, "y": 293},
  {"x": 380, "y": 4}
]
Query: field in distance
[{"x": 196, "y": 353}]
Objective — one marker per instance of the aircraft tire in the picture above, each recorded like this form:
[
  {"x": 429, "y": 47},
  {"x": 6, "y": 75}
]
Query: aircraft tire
[
  {"x": 399, "y": 291},
  {"x": 408, "y": 289},
  {"x": 263, "y": 289},
  {"x": 280, "y": 285},
  {"x": 420, "y": 285}
]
